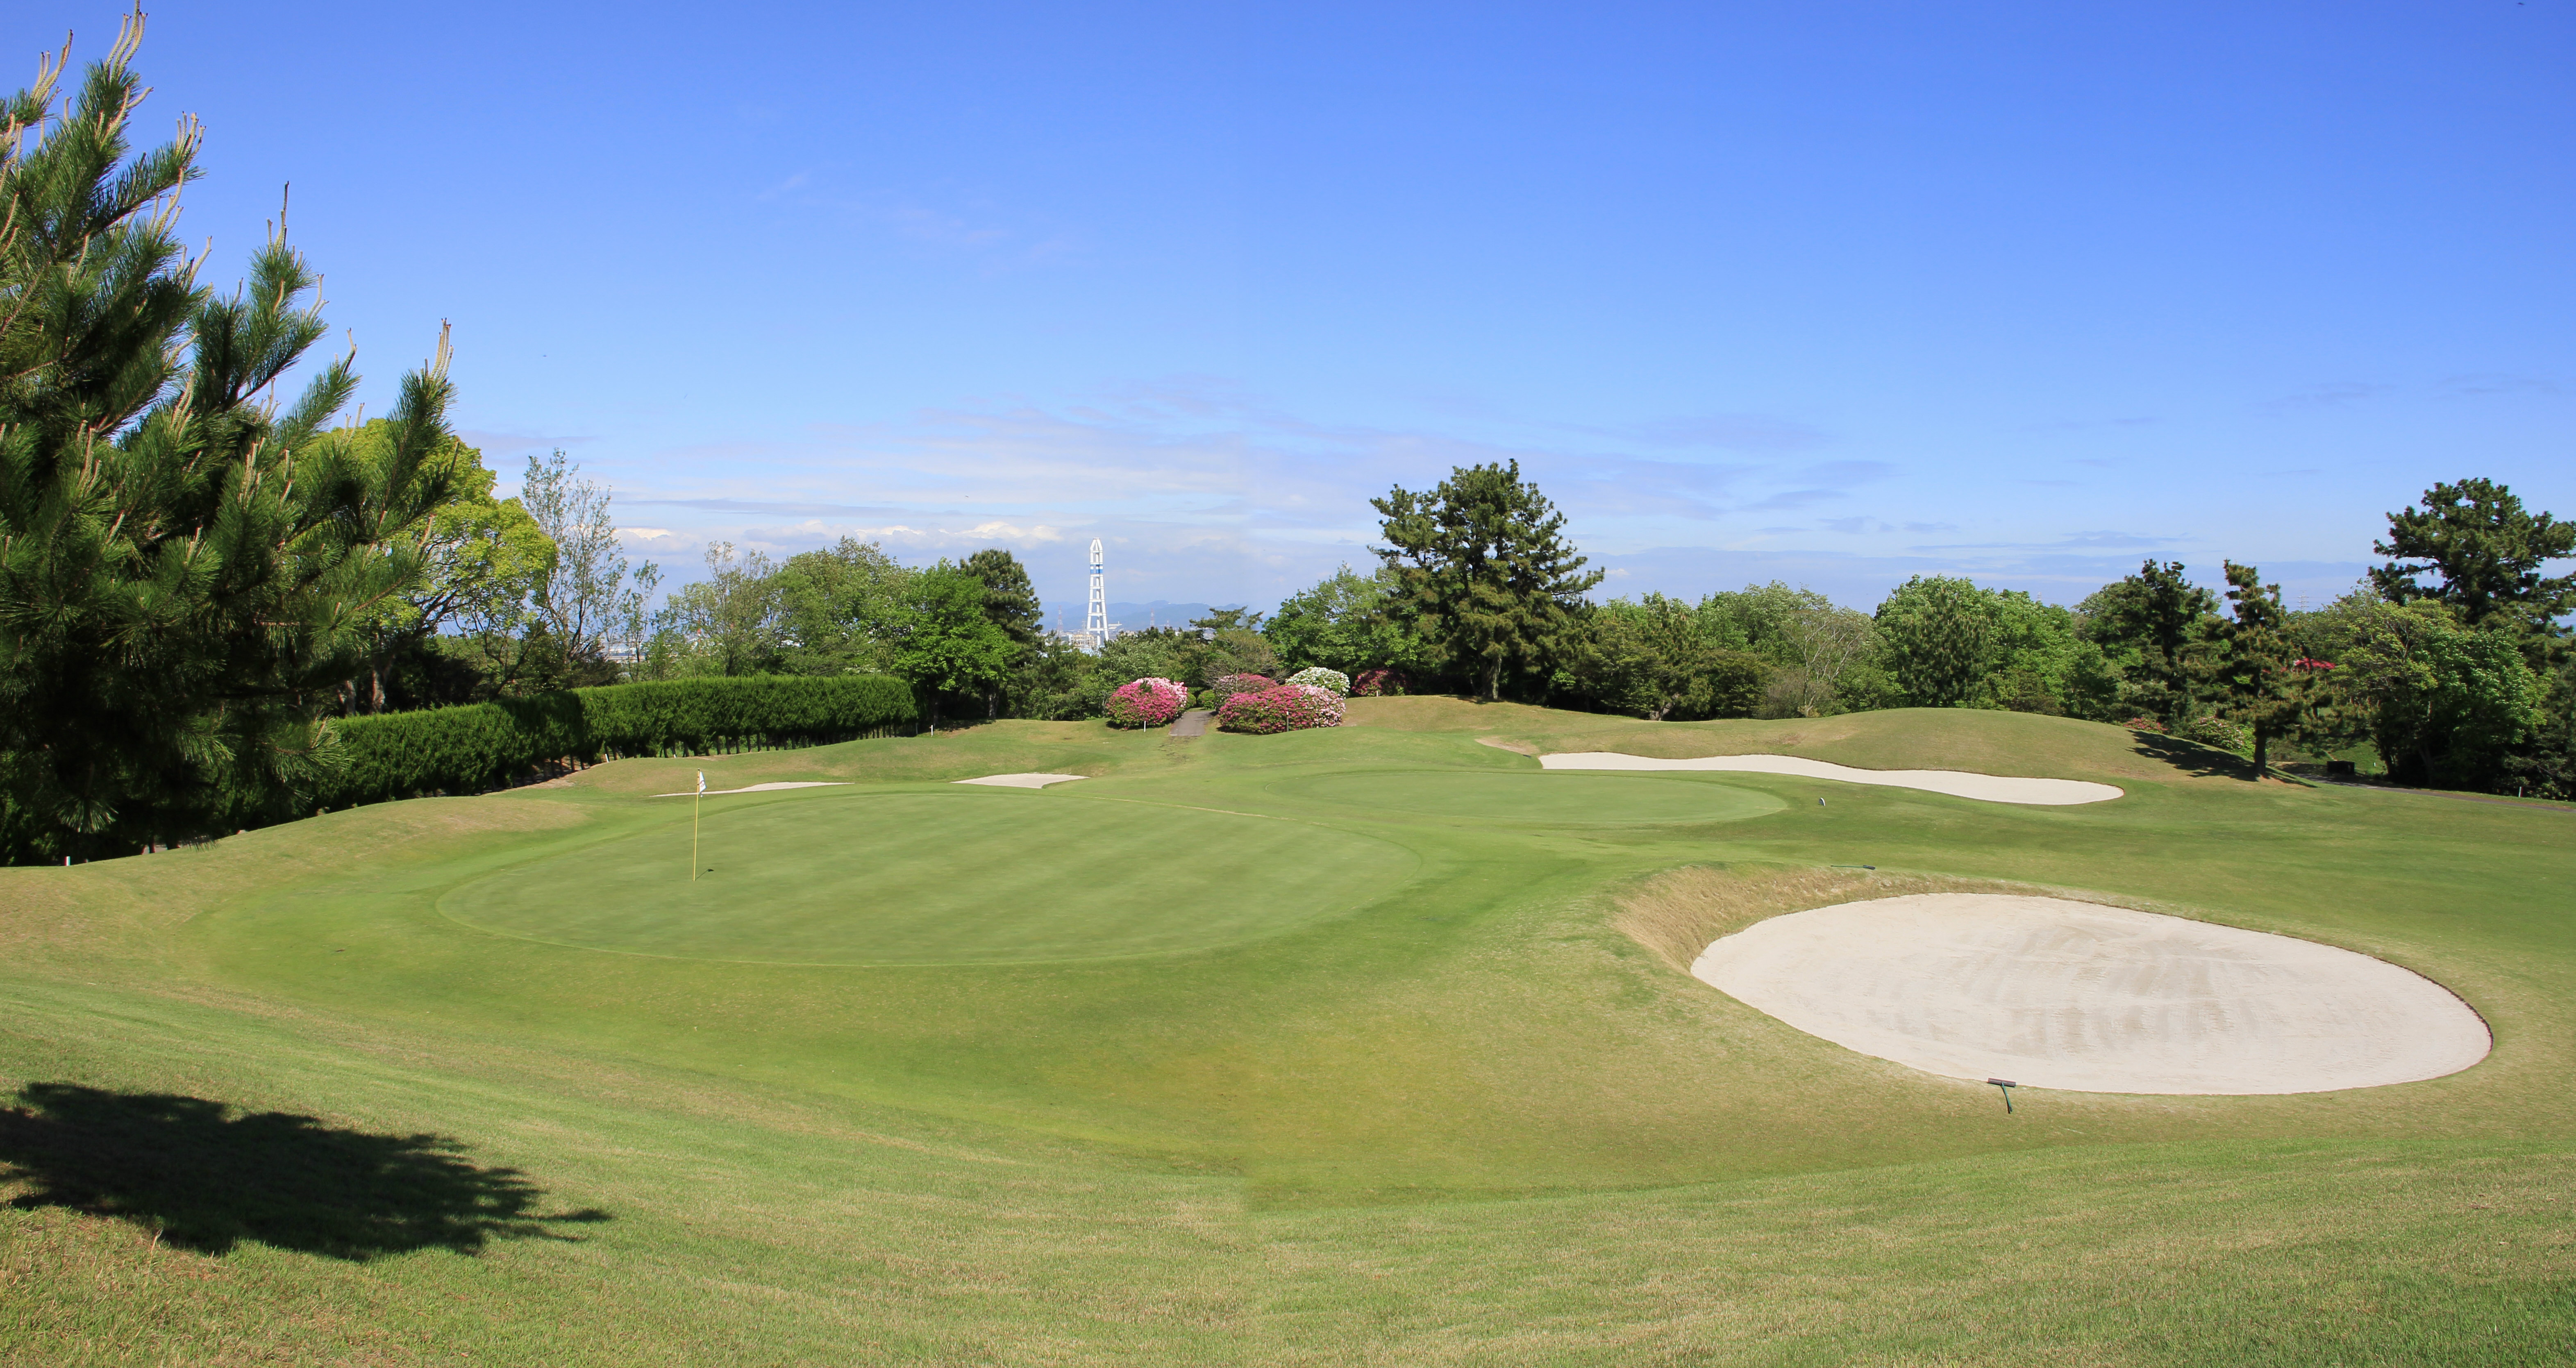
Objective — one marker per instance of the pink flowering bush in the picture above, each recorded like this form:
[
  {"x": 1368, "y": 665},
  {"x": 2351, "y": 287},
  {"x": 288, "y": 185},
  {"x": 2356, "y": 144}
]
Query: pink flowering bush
[
  {"x": 1289, "y": 707},
  {"x": 1373, "y": 683},
  {"x": 1322, "y": 678},
  {"x": 1227, "y": 686},
  {"x": 1149, "y": 702}
]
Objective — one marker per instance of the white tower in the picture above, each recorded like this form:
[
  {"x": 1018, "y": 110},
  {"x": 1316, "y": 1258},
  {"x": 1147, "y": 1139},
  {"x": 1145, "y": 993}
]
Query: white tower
[{"x": 1095, "y": 623}]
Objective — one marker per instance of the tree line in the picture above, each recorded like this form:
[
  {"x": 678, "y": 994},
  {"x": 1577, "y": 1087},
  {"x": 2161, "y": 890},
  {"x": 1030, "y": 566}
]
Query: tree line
[
  {"x": 201, "y": 577},
  {"x": 2452, "y": 660}
]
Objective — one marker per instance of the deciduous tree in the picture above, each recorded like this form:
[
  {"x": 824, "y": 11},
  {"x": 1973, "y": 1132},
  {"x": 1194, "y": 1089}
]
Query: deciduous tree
[
  {"x": 944, "y": 640},
  {"x": 577, "y": 600},
  {"x": 1349, "y": 622}
]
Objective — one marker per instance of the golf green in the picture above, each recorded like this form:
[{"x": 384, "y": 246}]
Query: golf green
[
  {"x": 1556, "y": 799},
  {"x": 984, "y": 877}
]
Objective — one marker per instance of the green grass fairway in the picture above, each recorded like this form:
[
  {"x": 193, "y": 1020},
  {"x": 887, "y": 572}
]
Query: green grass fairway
[
  {"x": 1365, "y": 1046},
  {"x": 964, "y": 876},
  {"x": 1540, "y": 799}
]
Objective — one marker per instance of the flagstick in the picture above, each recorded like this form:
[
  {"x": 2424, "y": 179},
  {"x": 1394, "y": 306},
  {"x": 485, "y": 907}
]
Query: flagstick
[{"x": 694, "y": 800}]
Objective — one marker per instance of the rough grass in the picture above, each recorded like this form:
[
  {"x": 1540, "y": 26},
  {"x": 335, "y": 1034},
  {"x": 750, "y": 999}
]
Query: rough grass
[{"x": 1484, "y": 1118}]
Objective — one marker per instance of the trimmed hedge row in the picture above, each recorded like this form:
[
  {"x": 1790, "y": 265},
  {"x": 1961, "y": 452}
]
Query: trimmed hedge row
[{"x": 484, "y": 746}]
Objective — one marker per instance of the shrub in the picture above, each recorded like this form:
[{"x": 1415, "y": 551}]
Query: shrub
[
  {"x": 1149, "y": 702},
  {"x": 2213, "y": 730},
  {"x": 1321, "y": 678},
  {"x": 1227, "y": 686},
  {"x": 485, "y": 746},
  {"x": 1288, "y": 707},
  {"x": 1375, "y": 683}
]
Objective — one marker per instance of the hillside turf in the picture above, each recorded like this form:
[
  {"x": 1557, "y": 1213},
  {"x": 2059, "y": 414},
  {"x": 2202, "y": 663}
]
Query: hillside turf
[{"x": 1353, "y": 1046}]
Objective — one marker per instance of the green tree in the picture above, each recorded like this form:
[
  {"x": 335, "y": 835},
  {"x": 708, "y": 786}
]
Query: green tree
[
  {"x": 1156, "y": 652},
  {"x": 1012, "y": 603},
  {"x": 187, "y": 573},
  {"x": 2041, "y": 664},
  {"x": 1058, "y": 680},
  {"x": 729, "y": 622},
  {"x": 1822, "y": 657},
  {"x": 944, "y": 640},
  {"x": 575, "y": 604},
  {"x": 1937, "y": 637},
  {"x": 1656, "y": 658},
  {"x": 1228, "y": 641},
  {"x": 836, "y": 609},
  {"x": 2254, "y": 674},
  {"x": 481, "y": 558},
  {"x": 1349, "y": 622},
  {"x": 1010, "y": 600},
  {"x": 1483, "y": 559},
  {"x": 2488, "y": 551},
  {"x": 2447, "y": 704},
  {"x": 2546, "y": 766},
  {"x": 2158, "y": 620}
]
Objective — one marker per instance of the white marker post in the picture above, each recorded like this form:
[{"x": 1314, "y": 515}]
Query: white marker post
[{"x": 694, "y": 800}]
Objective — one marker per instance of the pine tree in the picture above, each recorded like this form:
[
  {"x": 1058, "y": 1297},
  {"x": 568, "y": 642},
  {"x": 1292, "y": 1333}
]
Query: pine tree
[
  {"x": 187, "y": 574},
  {"x": 2163, "y": 615},
  {"x": 1482, "y": 559},
  {"x": 2488, "y": 551},
  {"x": 2256, "y": 675},
  {"x": 1938, "y": 637}
]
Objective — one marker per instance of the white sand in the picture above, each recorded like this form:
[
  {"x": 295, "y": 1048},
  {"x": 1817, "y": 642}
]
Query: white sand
[
  {"x": 2059, "y": 994},
  {"x": 1022, "y": 780},
  {"x": 764, "y": 788},
  {"x": 1991, "y": 788}
]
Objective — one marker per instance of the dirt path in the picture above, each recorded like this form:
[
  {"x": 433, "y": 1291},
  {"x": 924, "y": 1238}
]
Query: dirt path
[{"x": 1194, "y": 722}]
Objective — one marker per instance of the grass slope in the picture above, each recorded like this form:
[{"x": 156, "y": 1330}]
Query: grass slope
[{"x": 1408, "y": 1076}]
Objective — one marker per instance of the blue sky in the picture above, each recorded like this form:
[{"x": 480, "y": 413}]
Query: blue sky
[{"x": 1835, "y": 294}]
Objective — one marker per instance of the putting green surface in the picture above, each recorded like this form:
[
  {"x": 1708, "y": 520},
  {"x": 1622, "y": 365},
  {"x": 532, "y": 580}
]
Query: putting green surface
[
  {"x": 963, "y": 877},
  {"x": 1555, "y": 799}
]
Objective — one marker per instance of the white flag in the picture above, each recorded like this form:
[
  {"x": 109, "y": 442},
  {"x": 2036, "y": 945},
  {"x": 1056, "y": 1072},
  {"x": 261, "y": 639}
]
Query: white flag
[{"x": 702, "y": 781}]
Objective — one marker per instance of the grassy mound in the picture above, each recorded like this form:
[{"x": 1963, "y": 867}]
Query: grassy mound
[{"x": 1376, "y": 1050}]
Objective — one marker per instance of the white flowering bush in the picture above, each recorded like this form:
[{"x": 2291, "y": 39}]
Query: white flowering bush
[{"x": 1316, "y": 676}]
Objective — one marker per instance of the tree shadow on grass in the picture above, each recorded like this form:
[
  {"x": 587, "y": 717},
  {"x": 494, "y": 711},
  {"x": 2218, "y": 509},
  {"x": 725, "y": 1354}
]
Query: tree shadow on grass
[
  {"x": 2193, "y": 758},
  {"x": 204, "y": 1176}
]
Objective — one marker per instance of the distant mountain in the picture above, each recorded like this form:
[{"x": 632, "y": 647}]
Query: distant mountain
[{"x": 1130, "y": 617}]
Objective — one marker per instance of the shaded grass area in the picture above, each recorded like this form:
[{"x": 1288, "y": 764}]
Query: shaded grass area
[
  {"x": 203, "y": 1176},
  {"x": 1479, "y": 1117}
]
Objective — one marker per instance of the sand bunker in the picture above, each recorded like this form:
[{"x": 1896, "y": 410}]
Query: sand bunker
[
  {"x": 1021, "y": 780},
  {"x": 1991, "y": 788},
  {"x": 2059, "y": 994},
  {"x": 764, "y": 788}
]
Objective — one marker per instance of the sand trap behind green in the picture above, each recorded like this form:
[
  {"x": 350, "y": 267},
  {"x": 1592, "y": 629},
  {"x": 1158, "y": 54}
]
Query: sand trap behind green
[
  {"x": 988, "y": 877},
  {"x": 1525, "y": 797}
]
